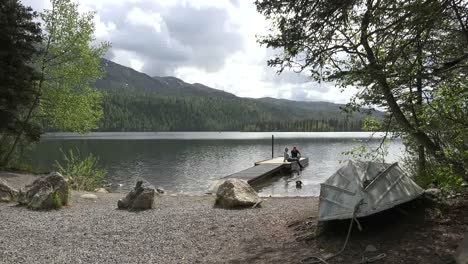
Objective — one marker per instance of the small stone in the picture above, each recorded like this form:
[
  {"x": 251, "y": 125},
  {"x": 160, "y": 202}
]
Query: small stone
[
  {"x": 160, "y": 190},
  {"x": 101, "y": 190},
  {"x": 433, "y": 192},
  {"x": 89, "y": 196},
  {"x": 370, "y": 248}
]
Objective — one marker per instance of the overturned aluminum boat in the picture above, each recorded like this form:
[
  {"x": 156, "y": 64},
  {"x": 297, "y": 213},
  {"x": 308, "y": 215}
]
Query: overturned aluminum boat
[{"x": 363, "y": 188}]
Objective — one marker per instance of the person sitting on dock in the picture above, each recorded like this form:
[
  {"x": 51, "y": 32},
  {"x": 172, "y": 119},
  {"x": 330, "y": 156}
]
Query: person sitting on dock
[
  {"x": 286, "y": 154},
  {"x": 296, "y": 156}
]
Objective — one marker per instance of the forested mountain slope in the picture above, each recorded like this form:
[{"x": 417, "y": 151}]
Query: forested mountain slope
[{"x": 134, "y": 101}]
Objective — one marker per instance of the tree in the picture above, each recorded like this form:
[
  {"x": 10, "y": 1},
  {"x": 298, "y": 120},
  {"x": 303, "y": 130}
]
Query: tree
[
  {"x": 403, "y": 55},
  {"x": 19, "y": 38},
  {"x": 68, "y": 63}
]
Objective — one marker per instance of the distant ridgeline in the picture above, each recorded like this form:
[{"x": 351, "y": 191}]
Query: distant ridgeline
[{"x": 134, "y": 101}]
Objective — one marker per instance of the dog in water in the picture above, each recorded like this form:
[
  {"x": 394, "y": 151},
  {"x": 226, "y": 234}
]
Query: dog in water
[{"x": 298, "y": 184}]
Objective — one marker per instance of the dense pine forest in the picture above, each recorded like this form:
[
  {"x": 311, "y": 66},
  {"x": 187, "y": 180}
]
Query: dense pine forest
[
  {"x": 148, "y": 112},
  {"x": 134, "y": 101}
]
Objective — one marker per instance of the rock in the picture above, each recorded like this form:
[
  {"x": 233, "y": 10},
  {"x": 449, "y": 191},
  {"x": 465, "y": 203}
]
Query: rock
[
  {"x": 370, "y": 248},
  {"x": 433, "y": 194},
  {"x": 461, "y": 255},
  {"x": 214, "y": 187},
  {"x": 7, "y": 193},
  {"x": 160, "y": 190},
  {"x": 236, "y": 193},
  {"x": 140, "y": 198},
  {"x": 48, "y": 192},
  {"x": 101, "y": 190},
  {"x": 89, "y": 196}
]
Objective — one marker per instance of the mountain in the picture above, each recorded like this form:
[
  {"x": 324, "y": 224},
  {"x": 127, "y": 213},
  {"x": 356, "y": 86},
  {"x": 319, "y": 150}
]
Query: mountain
[
  {"x": 134, "y": 101},
  {"x": 120, "y": 78}
]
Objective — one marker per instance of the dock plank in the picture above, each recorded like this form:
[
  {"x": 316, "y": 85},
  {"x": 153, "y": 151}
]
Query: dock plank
[{"x": 257, "y": 172}]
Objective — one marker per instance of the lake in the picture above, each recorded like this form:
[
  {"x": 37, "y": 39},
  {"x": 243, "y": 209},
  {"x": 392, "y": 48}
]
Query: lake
[{"x": 190, "y": 162}]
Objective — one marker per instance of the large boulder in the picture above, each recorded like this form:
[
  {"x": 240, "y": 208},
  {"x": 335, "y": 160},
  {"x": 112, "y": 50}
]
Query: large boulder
[
  {"x": 7, "y": 193},
  {"x": 140, "y": 198},
  {"x": 234, "y": 193},
  {"x": 461, "y": 255},
  {"x": 48, "y": 192}
]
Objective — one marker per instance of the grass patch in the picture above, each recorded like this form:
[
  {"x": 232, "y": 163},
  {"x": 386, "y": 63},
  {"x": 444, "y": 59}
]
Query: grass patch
[
  {"x": 83, "y": 172},
  {"x": 55, "y": 201}
]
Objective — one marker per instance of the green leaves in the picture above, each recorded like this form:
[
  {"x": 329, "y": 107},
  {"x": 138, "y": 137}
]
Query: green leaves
[
  {"x": 407, "y": 57},
  {"x": 83, "y": 172},
  {"x": 19, "y": 37},
  {"x": 70, "y": 61}
]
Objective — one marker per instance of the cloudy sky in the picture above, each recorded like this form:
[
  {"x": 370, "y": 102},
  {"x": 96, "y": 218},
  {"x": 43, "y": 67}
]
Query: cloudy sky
[{"x": 204, "y": 41}]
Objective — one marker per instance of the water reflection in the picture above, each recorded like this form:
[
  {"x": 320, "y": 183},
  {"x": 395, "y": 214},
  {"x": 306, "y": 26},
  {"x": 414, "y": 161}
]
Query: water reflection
[{"x": 191, "y": 166}]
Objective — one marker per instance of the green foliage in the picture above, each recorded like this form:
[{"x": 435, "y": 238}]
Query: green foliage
[
  {"x": 434, "y": 175},
  {"x": 373, "y": 124},
  {"x": 24, "y": 167},
  {"x": 83, "y": 173},
  {"x": 362, "y": 151},
  {"x": 69, "y": 63},
  {"x": 19, "y": 36},
  {"x": 407, "y": 57},
  {"x": 136, "y": 111},
  {"x": 54, "y": 201}
]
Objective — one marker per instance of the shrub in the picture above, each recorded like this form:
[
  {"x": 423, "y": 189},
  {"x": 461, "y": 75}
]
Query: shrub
[
  {"x": 55, "y": 202},
  {"x": 434, "y": 175},
  {"x": 83, "y": 173}
]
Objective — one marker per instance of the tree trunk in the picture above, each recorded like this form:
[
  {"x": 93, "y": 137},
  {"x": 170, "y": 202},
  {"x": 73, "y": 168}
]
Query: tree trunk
[
  {"x": 421, "y": 160},
  {"x": 419, "y": 104}
]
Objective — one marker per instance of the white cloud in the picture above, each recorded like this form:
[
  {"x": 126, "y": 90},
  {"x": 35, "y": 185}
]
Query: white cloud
[
  {"x": 136, "y": 16},
  {"x": 204, "y": 41}
]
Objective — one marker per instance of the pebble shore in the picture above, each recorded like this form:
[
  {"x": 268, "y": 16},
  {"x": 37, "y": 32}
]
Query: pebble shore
[{"x": 181, "y": 229}]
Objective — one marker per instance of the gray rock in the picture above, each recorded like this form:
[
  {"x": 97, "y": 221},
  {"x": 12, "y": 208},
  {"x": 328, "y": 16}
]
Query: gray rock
[
  {"x": 89, "y": 196},
  {"x": 433, "y": 192},
  {"x": 7, "y": 193},
  {"x": 48, "y": 192},
  {"x": 236, "y": 193},
  {"x": 461, "y": 255},
  {"x": 370, "y": 248},
  {"x": 140, "y": 198}
]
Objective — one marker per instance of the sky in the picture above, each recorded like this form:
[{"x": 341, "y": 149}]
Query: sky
[{"x": 203, "y": 41}]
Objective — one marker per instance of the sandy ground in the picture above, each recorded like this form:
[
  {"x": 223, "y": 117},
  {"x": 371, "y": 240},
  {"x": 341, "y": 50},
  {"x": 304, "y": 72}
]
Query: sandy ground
[{"x": 17, "y": 179}]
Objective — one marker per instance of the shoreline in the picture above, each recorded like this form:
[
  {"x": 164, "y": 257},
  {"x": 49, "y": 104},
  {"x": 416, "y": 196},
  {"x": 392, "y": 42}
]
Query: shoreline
[{"x": 18, "y": 179}]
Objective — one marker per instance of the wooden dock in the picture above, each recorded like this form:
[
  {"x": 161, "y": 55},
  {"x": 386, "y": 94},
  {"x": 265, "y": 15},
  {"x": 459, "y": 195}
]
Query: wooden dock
[{"x": 265, "y": 168}]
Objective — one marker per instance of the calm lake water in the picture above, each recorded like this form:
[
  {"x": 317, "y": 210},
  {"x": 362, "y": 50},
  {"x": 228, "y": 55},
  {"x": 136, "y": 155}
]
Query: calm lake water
[{"x": 190, "y": 162}]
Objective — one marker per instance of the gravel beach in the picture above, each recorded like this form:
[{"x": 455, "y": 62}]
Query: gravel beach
[
  {"x": 189, "y": 229},
  {"x": 182, "y": 229}
]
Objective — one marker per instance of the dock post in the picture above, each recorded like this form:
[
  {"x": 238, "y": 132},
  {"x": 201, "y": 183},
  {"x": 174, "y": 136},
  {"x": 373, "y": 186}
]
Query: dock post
[{"x": 272, "y": 146}]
